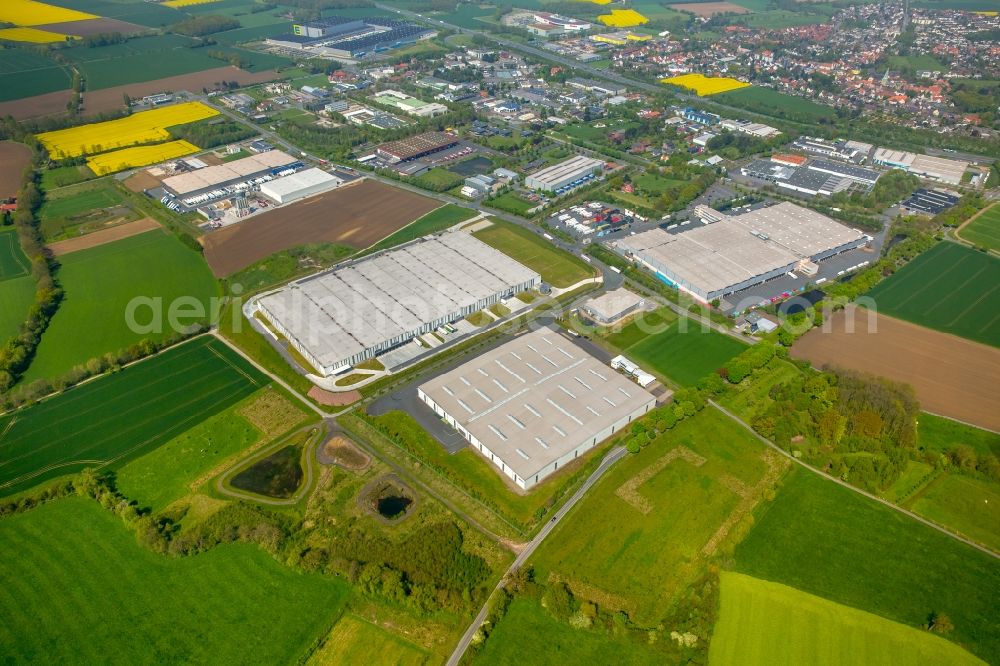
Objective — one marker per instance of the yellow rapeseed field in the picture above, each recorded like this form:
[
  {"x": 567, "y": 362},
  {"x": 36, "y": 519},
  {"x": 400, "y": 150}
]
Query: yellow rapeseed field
[
  {"x": 705, "y": 85},
  {"x": 185, "y": 3},
  {"x": 138, "y": 156},
  {"x": 32, "y": 35},
  {"x": 144, "y": 127},
  {"x": 29, "y": 12},
  {"x": 597, "y": 2},
  {"x": 622, "y": 18}
]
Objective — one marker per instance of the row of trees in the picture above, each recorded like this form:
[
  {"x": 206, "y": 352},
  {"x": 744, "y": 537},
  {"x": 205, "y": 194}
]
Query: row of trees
[{"x": 17, "y": 352}]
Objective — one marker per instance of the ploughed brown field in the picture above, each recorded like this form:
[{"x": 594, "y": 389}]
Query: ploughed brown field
[
  {"x": 14, "y": 157},
  {"x": 94, "y": 27},
  {"x": 952, "y": 376},
  {"x": 707, "y": 9},
  {"x": 358, "y": 215},
  {"x": 110, "y": 99}
]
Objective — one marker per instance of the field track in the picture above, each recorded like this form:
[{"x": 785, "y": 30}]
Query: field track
[
  {"x": 357, "y": 215},
  {"x": 103, "y": 236},
  {"x": 952, "y": 376},
  {"x": 115, "y": 418}
]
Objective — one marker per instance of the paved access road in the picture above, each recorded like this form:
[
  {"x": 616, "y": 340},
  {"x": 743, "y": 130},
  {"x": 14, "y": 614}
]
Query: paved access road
[{"x": 610, "y": 459}]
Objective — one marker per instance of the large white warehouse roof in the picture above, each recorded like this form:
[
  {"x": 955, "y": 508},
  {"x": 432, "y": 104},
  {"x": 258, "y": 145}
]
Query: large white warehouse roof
[
  {"x": 337, "y": 317},
  {"x": 535, "y": 399}
]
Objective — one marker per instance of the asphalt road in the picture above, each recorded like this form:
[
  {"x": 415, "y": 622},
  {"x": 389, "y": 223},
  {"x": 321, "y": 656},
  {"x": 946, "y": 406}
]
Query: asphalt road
[{"x": 610, "y": 459}]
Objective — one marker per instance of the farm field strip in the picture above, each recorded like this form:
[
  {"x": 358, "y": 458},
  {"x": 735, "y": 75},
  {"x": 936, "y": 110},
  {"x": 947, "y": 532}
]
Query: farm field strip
[
  {"x": 952, "y": 377},
  {"x": 102, "y": 283},
  {"x": 13, "y": 263},
  {"x": 357, "y": 215},
  {"x": 810, "y": 538},
  {"x": 32, "y": 36},
  {"x": 765, "y": 624},
  {"x": 705, "y": 85},
  {"x": 29, "y": 13},
  {"x": 137, "y": 156},
  {"x": 558, "y": 268},
  {"x": 142, "y": 127},
  {"x": 983, "y": 229},
  {"x": 78, "y": 588},
  {"x": 950, "y": 288},
  {"x": 110, "y": 419}
]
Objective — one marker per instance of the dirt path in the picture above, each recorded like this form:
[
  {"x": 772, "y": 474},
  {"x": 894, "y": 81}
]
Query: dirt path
[
  {"x": 103, "y": 237},
  {"x": 958, "y": 231},
  {"x": 309, "y": 463}
]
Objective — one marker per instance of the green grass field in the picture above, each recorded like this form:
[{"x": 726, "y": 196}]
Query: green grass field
[
  {"x": 984, "y": 231},
  {"x": 529, "y": 635},
  {"x": 101, "y": 282},
  {"x": 24, "y": 73},
  {"x": 132, "y": 11},
  {"x": 163, "y": 475},
  {"x": 646, "y": 559},
  {"x": 638, "y": 328},
  {"x": 685, "y": 352},
  {"x": 968, "y": 506},
  {"x": 355, "y": 640},
  {"x": 79, "y": 209},
  {"x": 109, "y": 421},
  {"x": 512, "y": 203},
  {"x": 16, "y": 296},
  {"x": 437, "y": 220},
  {"x": 142, "y": 59},
  {"x": 936, "y": 433},
  {"x": 78, "y": 589},
  {"x": 829, "y": 541},
  {"x": 13, "y": 263},
  {"x": 773, "y": 103},
  {"x": 767, "y": 624},
  {"x": 63, "y": 176},
  {"x": 949, "y": 288},
  {"x": 915, "y": 475},
  {"x": 556, "y": 267}
]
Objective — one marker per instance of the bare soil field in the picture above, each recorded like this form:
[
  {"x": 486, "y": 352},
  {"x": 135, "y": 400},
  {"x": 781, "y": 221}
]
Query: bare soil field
[
  {"x": 356, "y": 215},
  {"x": 110, "y": 99},
  {"x": 103, "y": 237},
  {"x": 333, "y": 399},
  {"x": 14, "y": 157},
  {"x": 93, "y": 27},
  {"x": 49, "y": 104},
  {"x": 707, "y": 9},
  {"x": 141, "y": 181},
  {"x": 952, "y": 376}
]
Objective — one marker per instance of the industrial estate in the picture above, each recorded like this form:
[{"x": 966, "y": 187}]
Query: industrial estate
[{"x": 449, "y": 333}]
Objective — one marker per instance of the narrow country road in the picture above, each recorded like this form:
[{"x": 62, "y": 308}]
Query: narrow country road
[
  {"x": 610, "y": 459},
  {"x": 843, "y": 483}
]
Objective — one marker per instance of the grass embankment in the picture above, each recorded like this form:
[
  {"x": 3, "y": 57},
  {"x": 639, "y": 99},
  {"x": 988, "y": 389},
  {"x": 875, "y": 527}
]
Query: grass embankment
[{"x": 81, "y": 590}]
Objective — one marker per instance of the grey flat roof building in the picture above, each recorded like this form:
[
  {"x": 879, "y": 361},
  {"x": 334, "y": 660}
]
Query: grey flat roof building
[
  {"x": 741, "y": 251},
  {"x": 354, "y": 312},
  {"x": 613, "y": 305},
  {"x": 535, "y": 404},
  {"x": 559, "y": 175}
]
